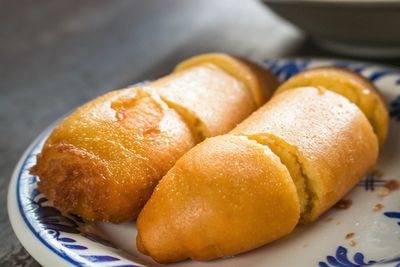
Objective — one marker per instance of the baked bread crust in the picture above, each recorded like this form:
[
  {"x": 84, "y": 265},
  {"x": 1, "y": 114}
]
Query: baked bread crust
[
  {"x": 103, "y": 161},
  {"x": 258, "y": 80},
  {"x": 335, "y": 143},
  {"x": 225, "y": 196},
  {"x": 351, "y": 85}
]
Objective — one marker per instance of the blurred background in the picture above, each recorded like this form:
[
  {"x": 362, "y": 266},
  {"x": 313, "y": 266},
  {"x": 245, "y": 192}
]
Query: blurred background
[{"x": 56, "y": 55}]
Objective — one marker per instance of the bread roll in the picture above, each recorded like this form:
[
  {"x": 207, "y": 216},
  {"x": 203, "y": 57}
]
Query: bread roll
[
  {"x": 104, "y": 160},
  {"x": 293, "y": 158},
  {"x": 330, "y": 138},
  {"x": 351, "y": 85},
  {"x": 225, "y": 196}
]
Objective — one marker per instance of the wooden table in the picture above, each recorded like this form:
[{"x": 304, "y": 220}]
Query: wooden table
[{"x": 56, "y": 55}]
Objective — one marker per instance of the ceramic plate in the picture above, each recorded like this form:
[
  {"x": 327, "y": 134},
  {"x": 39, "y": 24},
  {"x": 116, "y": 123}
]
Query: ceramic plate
[{"x": 371, "y": 223}]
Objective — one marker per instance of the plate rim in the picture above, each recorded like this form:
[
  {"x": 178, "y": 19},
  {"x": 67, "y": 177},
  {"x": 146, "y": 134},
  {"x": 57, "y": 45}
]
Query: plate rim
[{"x": 27, "y": 236}]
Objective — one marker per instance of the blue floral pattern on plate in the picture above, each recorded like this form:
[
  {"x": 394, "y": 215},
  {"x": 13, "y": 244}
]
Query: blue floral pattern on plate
[
  {"x": 342, "y": 259},
  {"x": 59, "y": 232},
  {"x": 68, "y": 236},
  {"x": 395, "y": 108}
]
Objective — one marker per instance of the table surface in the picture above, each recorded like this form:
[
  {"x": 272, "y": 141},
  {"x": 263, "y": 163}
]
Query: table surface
[{"x": 56, "y": 55}]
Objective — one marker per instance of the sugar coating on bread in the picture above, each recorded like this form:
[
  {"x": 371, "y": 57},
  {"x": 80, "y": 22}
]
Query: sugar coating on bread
[
  {"x": 227, "y": 195},
  {"x": 103, "y": 161},
  {"x": 258, "y": 80},
  {"x": 351, "y": 85},
  {"x": 210, "y": 100},
  {"x": 335, "y": 142}
]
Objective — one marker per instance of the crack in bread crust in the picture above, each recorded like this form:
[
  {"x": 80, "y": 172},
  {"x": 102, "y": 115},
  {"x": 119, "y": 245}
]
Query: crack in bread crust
[
  {"x": 290, "y": 158},
  {"x": 195, "y": 125}
]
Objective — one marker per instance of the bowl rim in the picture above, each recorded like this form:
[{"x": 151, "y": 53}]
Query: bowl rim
[{"x": 336, "y": 2}]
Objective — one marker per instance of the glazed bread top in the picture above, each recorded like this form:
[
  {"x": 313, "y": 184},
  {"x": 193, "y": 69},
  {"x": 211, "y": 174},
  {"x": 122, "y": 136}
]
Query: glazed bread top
[
  {"x": 334, "y": 141},
  {"x": 351, "y": 85},
  {"x": 258, "y": 80},
  {"x": 225, "y": 196},
  {"x": 210, "y": 100},
  {"x": 103, "y": 161}
]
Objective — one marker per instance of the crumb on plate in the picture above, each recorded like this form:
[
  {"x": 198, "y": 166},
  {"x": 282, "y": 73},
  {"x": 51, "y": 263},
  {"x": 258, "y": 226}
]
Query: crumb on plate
[
  {"x": 344, "y": 204},
  {"x": 392, "y": 185},
  {"x": 378, "y": 207},
  {"x": 383, "y": 192},
  {"x": 349, "y": 235}
]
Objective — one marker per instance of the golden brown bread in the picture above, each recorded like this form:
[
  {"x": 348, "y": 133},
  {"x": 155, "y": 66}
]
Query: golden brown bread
[
  {"x": 210, "y": 100},
  {"x": 104, "y": 160},
  {"x": 231, "y": 194},
  {"x": 334, "y": 142},
  {"x": 217, "y": 201},
  {"x": 351, "y": 85},
  {"x": 257, "y": 79}
]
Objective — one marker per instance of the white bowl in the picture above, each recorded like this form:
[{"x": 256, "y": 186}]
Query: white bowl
[{"x": 363, "y": 28}]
